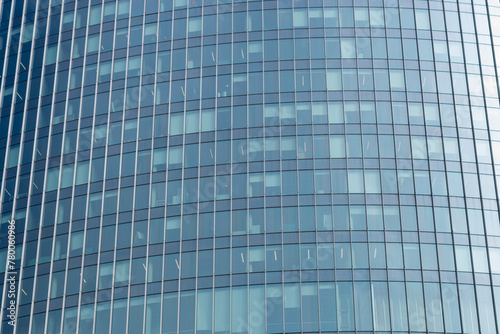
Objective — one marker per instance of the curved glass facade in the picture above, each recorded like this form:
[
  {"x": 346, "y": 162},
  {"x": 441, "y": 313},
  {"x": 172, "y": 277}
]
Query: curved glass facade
[{"x": 218, "y": 166}]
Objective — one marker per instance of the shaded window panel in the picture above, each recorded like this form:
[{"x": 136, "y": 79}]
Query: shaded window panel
[
  {"x": 170, "y": 310},
  {"x": 274, "y": 296},
  {"x": 332, "y": 48}
]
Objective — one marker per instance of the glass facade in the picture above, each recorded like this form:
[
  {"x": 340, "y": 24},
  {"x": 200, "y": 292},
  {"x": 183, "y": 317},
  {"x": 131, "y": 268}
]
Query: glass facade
[{"x": 218, "y": 166}]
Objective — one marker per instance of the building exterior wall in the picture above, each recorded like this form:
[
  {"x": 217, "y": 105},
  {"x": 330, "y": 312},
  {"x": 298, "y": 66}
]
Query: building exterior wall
[{"x": 291, "y": 166}]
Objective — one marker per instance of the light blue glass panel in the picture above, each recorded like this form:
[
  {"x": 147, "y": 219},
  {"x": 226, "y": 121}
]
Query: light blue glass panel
[
  {"x": 467, "y": 308},
  {"x": 122, "y": 270},
  {"x": 256, "y": 310},
  {"x": 394, "y": 255},
  {"x": 399, "y": 317},
  {"x": 256, "y": 184},
  {"x": 458, "y": 219},
  {"x": 496, "y": 290},
  {"x": 462, "y": 256},
  {"x": 273, "y": 220},
  {"x": 172, "y": 266},
  {"x": 485, "y": 309},
  {"x": 38, "y": 321},
  {"x": 57, "y": 285},
  {"x": 342, "y": 255},
  {"x": 359, "y": 255},
  {"x": 102, "y": 319},
  {"x": 310, "y": 310},
  {"x": 411, "y": 256},
  {"x": 334, "y": 80},
  {"x": 222, "y": 262},
  {"x": 434, "y": 311},
  {"x": 273, "y": 258},
  {"x": 341, "y": 217},
  {"x": 71, "y": 317},
  {"x": 239, "y": 260},
  {"x": 450, "y": 308},
  {"x": 352, "y": 115},
  {"x": 324, "y": 219},
  {"x": 256, "y": 220},
  {"x": 480, "y": 259},
  {"x": 345, "y": 307},
  {"x": 327, "y": 307},
  {"x": 54, "y": 321},
  {"x": 308, "y": 256},
  {"x": 274, "y": 307},
  {"x": 86, "y": 318},
  {"x": 377, "y": 255},
  {"x": 291, "y": 300},
  {"x": 337, "y": 146},
  {"x": 204, "y": 312},
  {"x": 155, "y": 266},
  {"x": 446, "y": 257},
  {"x": 187, "y": 312},
  {"x": 372, "y": 181},
  {"x": 429, "y": 256},
  {"x": 389, "y": 182},
  {"x": 136, "y": 308},
  {"x": 356, "y": 182},
  {"x": 357, "y": 217},
  {"x": 222, "y": 311},
  {"x": 239, "y": 310},
  {"x": 173, "y": 229},
  {"x": 119, "y": 316},
  {"x": 325, "y": 256},
  {"x": 339, "y": 181},
  {"x": 363, "y": 306},
  {"x": 494, "y": 260},
  {"x": 256, "y": 259},
  {"x": 188, "y": 264},
  {"x": 331, "y": 17},
  {"x": 306, "y": 184},
  {"x": 336, "y": 116},
  {"x": 380, "y": 300},
  {"x": 291, "y": 257}
]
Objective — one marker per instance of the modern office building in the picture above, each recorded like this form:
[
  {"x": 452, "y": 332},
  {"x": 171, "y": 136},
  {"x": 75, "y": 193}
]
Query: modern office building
[{"x": 218, "y": 166}]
